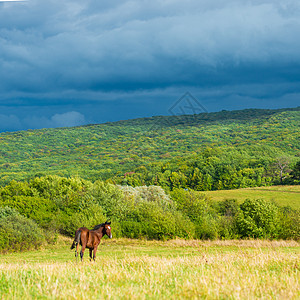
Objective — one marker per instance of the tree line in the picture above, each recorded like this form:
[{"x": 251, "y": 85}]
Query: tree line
[
  {"x": 217, "y": 169},
  {"x": 34, "y": 212}
]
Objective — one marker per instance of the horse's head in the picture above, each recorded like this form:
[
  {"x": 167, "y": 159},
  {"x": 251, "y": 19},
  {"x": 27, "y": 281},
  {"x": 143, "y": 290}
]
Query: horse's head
[{"x": 107, "y": 229}]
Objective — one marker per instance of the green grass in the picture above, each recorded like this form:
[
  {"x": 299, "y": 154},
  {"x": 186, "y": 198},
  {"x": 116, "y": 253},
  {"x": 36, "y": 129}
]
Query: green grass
[
  {"x": 134, "y": 269},
  {"x": 282, "y": 195}
]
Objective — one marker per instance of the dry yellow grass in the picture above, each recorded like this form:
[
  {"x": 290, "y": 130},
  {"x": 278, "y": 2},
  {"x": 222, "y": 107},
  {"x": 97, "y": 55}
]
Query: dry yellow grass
[{"x": 177, "y": 269}]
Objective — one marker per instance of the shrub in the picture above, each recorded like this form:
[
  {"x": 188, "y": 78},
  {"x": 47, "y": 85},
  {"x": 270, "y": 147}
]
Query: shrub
[
  {"x": 228, "y": 207},
  {"x": 258, "y": 219},
  {"x": 55, "y": 187},
  {"x": 184, "y": 228},
  {"x": 157, "y": 223},
  {"x": 227, "y": 227},
  {"x": 88, "y": 217},
  {"x": 132, "y": 229},
  {"x": 17, "y": 232},
  {"x": 151, "y": 193},
  {"x": 39, "y": 209},
  {"x": 15, "y": 188},
  {"x": 152, "y": 215},
  {"x": 190, "y": 203},
  {"x": 109, "y": 197},
  {"x": 197, "y": 208},
  {"x": 228, "y": 210},
  {"x": 207, "y": 228},
  {"x": 289, "y": 223}
]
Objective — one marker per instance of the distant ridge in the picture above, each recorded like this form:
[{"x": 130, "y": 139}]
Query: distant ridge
[
  {"x": 243, "y": 114},
  {"x": 110, "y": 150}
]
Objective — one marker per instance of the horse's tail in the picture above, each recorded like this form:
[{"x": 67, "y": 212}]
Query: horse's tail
[{"x": 76, "y": 239}]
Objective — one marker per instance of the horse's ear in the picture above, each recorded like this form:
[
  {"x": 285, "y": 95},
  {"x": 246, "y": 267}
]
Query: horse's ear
[{"x": 108, "y": 223}]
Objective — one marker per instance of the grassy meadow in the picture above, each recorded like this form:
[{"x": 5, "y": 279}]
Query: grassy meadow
[
  {"x": 283, "y": 195},
  {"x": 139, "y": 269}
]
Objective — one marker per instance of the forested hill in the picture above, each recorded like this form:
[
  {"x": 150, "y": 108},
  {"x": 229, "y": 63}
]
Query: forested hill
[{"x": 202, "y": 151}]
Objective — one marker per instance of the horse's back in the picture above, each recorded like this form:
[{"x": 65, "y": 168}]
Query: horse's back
[{"x": 82, "y": 229}]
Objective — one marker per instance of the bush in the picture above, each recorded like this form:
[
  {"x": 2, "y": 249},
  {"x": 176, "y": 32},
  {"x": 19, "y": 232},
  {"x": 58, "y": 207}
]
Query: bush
[
  {"x": 153, "y": 215},
  {"x": 39, "y": 209},
  {"x": 151, "y": 193},
  {"x": 227, "y": 228},
  {"x": 54, "y": 187},
  {"x": 18, "y": 233},
  {"x": 258, "y": 219},
  {"x": 207, "y": 228},
  {"x": 228, "y": 207},
  {"x": 132, "y": 229},
  {"x": 157, "y": 223},
  {"x": 228, "y": 211},
  {"x": 184, "y": 228},
  {"x": 88, "y": 217},
  {"x": 190, "y": 203},
  {"x": 289, "y": 223},
  {"x": 197, "y": 208},
  {"x": 109, "y": 197}
]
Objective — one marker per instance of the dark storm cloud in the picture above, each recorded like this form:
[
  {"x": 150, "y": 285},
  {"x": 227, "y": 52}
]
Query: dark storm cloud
[{"x": 94, "y": 53}]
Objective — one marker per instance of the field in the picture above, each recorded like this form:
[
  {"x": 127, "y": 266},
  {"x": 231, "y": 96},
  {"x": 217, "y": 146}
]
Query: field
[
  {"x": 282, "y": 195},
  {"x": 137, "y": 269}
]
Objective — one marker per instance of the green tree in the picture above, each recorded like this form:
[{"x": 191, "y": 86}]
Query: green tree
[{"x": 258, "y": 218}]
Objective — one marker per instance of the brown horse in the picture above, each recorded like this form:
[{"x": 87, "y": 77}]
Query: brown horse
[{"x": 90, "y": 239}]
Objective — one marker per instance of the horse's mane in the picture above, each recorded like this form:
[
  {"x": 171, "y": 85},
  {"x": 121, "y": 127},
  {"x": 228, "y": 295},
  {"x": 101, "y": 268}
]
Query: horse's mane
[{"x": 98, "y": 226}]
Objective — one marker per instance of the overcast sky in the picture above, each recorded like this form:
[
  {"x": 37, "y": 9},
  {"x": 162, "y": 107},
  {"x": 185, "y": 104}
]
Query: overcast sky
[{"x": 67, "y": 63}]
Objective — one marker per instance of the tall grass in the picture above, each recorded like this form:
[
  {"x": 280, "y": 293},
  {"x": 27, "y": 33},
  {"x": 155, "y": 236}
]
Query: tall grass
[{"x": 157, "y": 270}]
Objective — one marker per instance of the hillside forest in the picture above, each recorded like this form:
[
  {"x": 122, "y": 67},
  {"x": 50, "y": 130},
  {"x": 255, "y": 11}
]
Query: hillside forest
[{"x": 146, "y": 175}]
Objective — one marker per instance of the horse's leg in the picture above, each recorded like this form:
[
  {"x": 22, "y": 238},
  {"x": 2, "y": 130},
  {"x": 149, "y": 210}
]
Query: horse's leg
[
  {"x": 95, "y": 250},
  {"x": 76, "y": 243},
  {"x": 76, "y": 252},
  {"x": 91, "y": 252},
  {"x": 84, "y": 241},
  {"x": 82, "y": 252}
]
